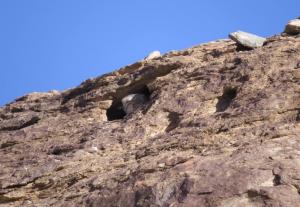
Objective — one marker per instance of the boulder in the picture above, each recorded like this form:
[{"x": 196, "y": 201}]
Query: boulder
[
  {"x": 247, "y": 39},
  {"x": 152, "y": 55},
  {"x": 293, "y": 27},
  {"x": 132, "y": 102}
]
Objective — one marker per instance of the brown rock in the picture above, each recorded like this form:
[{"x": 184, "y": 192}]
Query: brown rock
[
  {"x": 293, "y": 27},
  {"x": 220, "y": 128}
]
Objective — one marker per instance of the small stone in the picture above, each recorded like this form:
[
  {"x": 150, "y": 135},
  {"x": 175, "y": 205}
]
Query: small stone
[
  {"x": 132, "y": 102},
  {"x": 152, "y": 55},
  {"x": 293, "y": 27},
  {"x": 43, "y": 183},
  {"x": 247, "y": 39},
  {"x": 93, "y": 149},
  {"x": 161, "y": 165},
  {"x": 61, "y": 149}
]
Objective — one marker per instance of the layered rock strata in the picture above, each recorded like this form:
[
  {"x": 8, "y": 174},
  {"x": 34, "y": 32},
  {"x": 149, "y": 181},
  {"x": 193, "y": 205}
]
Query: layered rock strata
[{"x": 220, "y": 128}]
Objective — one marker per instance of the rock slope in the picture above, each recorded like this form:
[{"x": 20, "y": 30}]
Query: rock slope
[{"x": 220, "y": 128}]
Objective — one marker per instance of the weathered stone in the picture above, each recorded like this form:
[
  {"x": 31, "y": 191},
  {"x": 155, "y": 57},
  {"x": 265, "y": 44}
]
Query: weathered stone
[
  {"x": 152, "y": 55},
  {"x": 247, "y": 39},
  {"x": 219, "y": 128},
  {"x": 293, "y": 27},
  {"x": 132, "y": 102},
  {"x": 22, "y": 121}
]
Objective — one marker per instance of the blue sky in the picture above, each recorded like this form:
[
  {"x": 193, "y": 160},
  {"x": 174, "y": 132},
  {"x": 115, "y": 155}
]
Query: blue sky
[{"x": 57, "y": 44}]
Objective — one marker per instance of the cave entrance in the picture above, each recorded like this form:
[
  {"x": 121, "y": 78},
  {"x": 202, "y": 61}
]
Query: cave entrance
[
  {"x": 225, "y": 100},
  {"x": 116, "y": 112}
]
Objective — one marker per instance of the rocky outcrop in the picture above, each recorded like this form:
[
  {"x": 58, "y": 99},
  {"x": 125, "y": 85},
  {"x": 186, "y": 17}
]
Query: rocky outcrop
[
  {"x": 293, "y": 27},
  {"x": 220, "y": 128},
  {"x": 247, "y": 40},
  {"x": 153, "y": 55}
]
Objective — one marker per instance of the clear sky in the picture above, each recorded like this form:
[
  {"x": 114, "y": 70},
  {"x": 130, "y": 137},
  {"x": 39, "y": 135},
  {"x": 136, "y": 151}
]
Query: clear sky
[{"x": 57, "y": 44}]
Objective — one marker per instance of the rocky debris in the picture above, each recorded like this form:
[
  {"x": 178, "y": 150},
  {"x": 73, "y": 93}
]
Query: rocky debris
[
  {"x": 132, "y": 102},
  {"x": 247, "y": 39},
  {"x": 293, "y": 27},
  {"x": 220, "y": 127},
  {"x": 153, "y": 55}
]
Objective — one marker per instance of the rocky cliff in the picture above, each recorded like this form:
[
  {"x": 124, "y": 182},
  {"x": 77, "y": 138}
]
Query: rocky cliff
[{"x": 220, "y": 127}]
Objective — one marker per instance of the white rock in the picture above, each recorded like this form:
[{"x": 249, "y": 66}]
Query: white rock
[
  {"x": 132, "y": 102},
  {"x": 161, "y": 165},
  {"x": 54, "y": 92},
  {"x": 94, "y": 149},
  {"x": 247, "y": 39},
  {"x": 293, "y": 27},
  {"x": 152, "y": 55}
]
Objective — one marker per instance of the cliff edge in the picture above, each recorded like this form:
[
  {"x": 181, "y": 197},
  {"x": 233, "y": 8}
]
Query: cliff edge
[{"x": 219, "y": 127}]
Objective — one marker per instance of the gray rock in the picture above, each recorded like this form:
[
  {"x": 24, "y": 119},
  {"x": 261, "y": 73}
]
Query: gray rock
[
  {"x": 293, "y": 27},
  {"x": 247, "y": 39},
  {"x": 132, "y": 102},
  {"x": 152, "y": 55}
]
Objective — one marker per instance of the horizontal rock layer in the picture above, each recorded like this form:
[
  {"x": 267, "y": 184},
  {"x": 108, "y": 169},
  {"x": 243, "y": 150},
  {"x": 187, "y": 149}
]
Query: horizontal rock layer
[{"x": 220, "y": 128}]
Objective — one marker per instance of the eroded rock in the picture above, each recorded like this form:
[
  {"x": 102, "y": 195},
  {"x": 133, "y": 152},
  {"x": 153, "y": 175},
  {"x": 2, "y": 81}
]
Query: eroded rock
[{"x": 219, "y": 128}]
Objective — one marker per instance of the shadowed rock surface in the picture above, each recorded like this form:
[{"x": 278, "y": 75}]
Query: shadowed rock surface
[
  {"x": 221, "y": 128},
  {"x": 293, "y": 27}
]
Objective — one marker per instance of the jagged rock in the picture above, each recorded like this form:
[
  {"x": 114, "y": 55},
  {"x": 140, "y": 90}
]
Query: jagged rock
[
  {"x": 247, "y": 39},
  {"x": 152, "y": 55},
  {"x": 293, "y": 27},
  {"x": 219, "y": 127}
]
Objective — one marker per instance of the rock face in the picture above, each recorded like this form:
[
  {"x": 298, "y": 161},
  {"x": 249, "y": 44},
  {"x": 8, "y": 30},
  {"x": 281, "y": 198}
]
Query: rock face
[
  {"x": 247, "y": 39},
  {"x": 293, "y": 27},
  {"x": 221, "y": 128}
]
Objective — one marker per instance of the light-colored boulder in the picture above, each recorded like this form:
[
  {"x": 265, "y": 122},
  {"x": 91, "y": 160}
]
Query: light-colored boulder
[
  {"x": 293, "y": 27},
  {"x": 247, "y": 39},
  {"x": 132, "y": 102},
  {"x": 152, "y": 55}
]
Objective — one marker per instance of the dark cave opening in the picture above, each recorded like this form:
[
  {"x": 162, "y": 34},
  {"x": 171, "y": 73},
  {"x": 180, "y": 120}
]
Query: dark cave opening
[
  {"x": 226, "y": 99},
  {"x": 116, "y": 112}
]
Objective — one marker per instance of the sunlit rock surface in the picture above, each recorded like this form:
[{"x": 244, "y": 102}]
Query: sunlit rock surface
[{"x": 220, "y": 128}]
